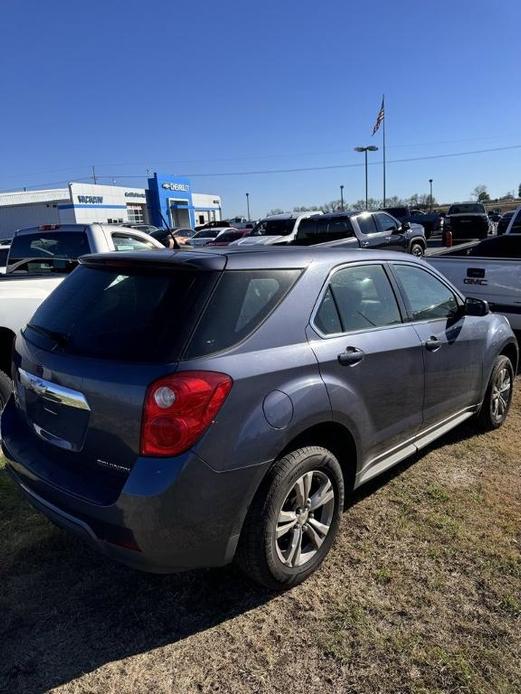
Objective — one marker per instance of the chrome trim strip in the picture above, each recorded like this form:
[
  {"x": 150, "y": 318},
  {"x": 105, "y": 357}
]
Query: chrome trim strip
[{"x": 52, "y": 392}]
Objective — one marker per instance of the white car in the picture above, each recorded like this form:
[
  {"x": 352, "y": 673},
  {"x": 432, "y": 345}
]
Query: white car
[
  {"x": 277, "y": 228},
  {"x": 203, "y": 237}
]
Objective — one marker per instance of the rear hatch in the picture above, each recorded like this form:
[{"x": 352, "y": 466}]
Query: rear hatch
[{"x": 88, "y": 355}]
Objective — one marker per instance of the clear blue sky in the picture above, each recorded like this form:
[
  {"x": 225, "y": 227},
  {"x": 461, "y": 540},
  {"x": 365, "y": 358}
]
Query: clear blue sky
[{"x": 233, "y": 86}]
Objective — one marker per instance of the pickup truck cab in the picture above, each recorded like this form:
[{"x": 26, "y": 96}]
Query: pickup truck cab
[
  {"x": 275, "y": 229},
  {"x": 430, "y": 221},
  {"x": 354, "y": 229},
  {"x": 38, "y": 259},
  {"x": 490, "y": 270}
]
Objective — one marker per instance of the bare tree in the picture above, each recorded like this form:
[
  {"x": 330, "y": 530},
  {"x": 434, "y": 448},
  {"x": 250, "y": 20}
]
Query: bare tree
[{"x": 481, "y": 193}]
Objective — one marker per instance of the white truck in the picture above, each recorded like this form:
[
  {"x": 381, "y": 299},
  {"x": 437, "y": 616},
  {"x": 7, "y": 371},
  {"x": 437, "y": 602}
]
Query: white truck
[
  {"x": 490, "y": 270},
  {"x": 277, "y": 228},
  {"x": 38, "y": 260}
]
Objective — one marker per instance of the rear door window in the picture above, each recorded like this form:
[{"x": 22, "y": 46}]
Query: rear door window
[
  {"x": 128, "y": 314},
  {"x": 366, "y": 224},
  {"x": 241, "y": 301},
  {"x": 357, "y": 298}
]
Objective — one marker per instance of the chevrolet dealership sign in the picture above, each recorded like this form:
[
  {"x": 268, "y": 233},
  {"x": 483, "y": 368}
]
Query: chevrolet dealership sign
[{"x": 180, "y": 187}]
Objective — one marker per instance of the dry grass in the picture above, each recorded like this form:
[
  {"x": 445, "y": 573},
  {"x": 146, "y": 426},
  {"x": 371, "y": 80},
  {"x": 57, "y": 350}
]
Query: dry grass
[{"x": 422, "y": 593}]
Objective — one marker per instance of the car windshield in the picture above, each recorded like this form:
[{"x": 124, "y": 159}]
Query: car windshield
[
  {"x": 274, "y": 227},
  {"x": 469, "y": 208}
]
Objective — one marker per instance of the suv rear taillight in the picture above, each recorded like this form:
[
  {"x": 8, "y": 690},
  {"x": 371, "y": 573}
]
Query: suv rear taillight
[{"x": 179, "y": 408}]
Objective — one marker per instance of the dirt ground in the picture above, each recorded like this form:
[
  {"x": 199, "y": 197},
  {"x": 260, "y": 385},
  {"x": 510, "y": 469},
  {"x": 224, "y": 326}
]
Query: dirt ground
[{"x": 422, "y": 593}]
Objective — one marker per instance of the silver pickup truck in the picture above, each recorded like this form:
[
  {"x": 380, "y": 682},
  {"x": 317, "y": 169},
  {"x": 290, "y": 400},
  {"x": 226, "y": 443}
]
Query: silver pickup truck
[
  {"x": 490, "y": 270},
  {"x": 39, "y": 259}
]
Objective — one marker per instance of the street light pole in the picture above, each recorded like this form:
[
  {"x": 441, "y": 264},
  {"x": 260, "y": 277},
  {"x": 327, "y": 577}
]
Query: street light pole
[
  {"x": 371, "y": 148},
  {"x": 430, "y": 195},
  {"x": 248, "y": 205},
  {"x": 342, "y": 198}
]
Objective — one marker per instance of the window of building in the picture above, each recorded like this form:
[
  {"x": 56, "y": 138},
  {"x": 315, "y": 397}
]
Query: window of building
[{"x": 135, "y": 213}]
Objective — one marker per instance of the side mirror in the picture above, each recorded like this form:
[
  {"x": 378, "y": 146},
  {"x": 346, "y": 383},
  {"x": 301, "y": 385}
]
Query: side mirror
[
  {"x": 404, "y": 227},
  {"x": 476, "y": 307}
]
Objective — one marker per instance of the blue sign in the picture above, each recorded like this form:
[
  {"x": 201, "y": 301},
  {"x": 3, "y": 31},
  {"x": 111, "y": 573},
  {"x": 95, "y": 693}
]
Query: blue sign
[{"x": 170, "y": 201}]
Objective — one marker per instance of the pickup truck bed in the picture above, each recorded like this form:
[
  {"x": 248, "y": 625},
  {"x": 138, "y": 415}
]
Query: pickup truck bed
[{"x": 490, "y": 270}]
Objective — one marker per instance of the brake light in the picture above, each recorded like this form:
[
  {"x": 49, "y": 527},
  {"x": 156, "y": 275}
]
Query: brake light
[
  {"x": 49, "y": 227},
  {"x": 179, "y": 408}
]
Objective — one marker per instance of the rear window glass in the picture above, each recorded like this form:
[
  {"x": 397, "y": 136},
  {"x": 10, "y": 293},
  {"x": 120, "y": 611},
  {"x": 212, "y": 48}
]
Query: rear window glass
[
  {"x": 470, "y": 208},
  {"x": 123, "y": 314},
  {"x": 3, "y": 256},
  {"x": 42, "y": 251},
  {"x": 241, "y": 301}
]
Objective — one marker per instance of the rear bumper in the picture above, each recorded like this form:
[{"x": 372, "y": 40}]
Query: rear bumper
[{"x": 172, "y": 513}]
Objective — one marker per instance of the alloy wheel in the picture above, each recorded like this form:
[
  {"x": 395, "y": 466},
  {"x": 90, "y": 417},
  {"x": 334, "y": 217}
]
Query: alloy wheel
[
  {"x": 305, "y": 518},
  {"x": 501, "y": 390}
]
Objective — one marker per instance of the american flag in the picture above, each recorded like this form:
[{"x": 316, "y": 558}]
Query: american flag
[{"x": 379, "y": 118}]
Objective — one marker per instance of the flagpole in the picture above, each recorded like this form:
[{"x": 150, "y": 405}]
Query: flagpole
[{"x": 383, "y": 147}]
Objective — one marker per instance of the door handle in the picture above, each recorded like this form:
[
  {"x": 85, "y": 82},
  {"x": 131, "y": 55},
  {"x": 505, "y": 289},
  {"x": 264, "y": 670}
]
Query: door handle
[
  {"x": 432, "y": 344},
  {"x": 351, "y": 356}
]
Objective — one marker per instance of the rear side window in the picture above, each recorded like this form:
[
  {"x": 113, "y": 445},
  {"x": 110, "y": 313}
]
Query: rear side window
[
  {"x": 241, "y": 301},
  {"x": 129, "y": 242},
  {"x": 366, "y": 224},
  {"x": 427, "y": 297},
  {"x": 319, "y": 230},
  {"x": 3, "y": 256},
  {"x": 123, "y": 314},
  {"x": 357, "y": 298},
  {"x": 44, "y": 249}
]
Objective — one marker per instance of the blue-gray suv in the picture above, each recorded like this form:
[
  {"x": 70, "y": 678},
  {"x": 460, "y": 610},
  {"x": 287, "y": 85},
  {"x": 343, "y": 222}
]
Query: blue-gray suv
[{"x": 187, "y": 409}]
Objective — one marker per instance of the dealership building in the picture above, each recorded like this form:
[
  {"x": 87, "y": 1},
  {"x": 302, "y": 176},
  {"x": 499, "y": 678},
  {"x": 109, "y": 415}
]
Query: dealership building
[{"x": 168, "y": 201}]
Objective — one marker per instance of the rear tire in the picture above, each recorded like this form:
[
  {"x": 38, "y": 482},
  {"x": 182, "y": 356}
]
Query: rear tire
[
  {"x": 6, "y": 388},
  {"x": 498, "y": 397},
  {"x": 293, "y": 519}
]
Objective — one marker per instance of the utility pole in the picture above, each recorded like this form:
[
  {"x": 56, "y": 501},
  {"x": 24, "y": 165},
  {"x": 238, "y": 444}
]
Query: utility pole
[
  {"x": 248, "y": 205},
  {"x": 430, "y": 195},
  {"x": 342, "y": 198},
  {"x": 94, "y": 174}
]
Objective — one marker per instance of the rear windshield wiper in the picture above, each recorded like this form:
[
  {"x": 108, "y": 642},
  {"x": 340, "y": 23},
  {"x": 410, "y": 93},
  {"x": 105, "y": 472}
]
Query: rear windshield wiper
[{"x": 60, "y": 338}]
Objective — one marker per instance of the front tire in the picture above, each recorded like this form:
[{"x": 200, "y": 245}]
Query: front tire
[
  {"x": 498, "y": 397},
  {"x": 293, "y": 519},
  {"x": 417, "y": 249}
]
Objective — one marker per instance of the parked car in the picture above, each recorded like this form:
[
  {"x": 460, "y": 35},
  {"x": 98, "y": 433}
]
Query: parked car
[
  {"x": 277, "y": 228},
  {"x": 490, "y": 269},
  {"x": 503, "y": 223},
  {"x": 38, "y": 260},
  {"x": 228, "y": 236},
  {"x": 4, "y": 252},
  {"x": 203, "y": 237},
  {"x": 140, "y": 226},
  {"x": 283, "y": 379},
  {"x": 182, "y": 236},
  {"x": 430, "y": 221},
  {"x": 468, "y": 220},
  {"x": 361, "y": 230},
  {"x": 214, "y": 224},
  {"x": 514, "y": 225}
]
